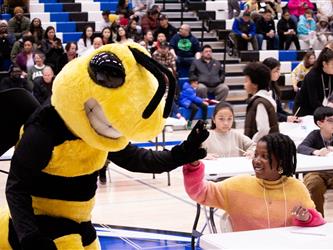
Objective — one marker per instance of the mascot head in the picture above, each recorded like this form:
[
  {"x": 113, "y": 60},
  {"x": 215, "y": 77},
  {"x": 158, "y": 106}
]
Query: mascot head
[{"x": 113, "y": 95}]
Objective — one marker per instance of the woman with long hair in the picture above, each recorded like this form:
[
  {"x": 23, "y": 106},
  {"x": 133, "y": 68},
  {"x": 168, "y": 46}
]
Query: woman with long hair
[
  {"x": 107, "y": 35},
  {"x": 51, "y": 47},
  {"x": 85, "y": 41},
  {"x": 37, "y": 30},
  {"x": 317, "y": 85}
]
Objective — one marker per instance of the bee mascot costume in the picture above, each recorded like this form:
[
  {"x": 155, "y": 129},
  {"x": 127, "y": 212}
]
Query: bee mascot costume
[{"x": 99, "y": 103}]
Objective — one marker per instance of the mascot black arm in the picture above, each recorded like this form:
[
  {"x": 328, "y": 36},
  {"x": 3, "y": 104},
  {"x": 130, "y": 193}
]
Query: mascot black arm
[
  {"x": 31, "y": 155},
  {"x": 143, "y": 160}
]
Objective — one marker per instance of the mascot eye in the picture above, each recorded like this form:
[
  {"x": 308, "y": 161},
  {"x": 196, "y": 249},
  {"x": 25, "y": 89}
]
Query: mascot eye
[{"x": 107, "y": 70}]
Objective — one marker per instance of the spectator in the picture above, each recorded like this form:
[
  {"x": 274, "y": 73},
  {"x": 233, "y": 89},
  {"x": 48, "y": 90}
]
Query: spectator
[
  {"x": 319, "y": 142},
  {"x": 274, "y": 65},
  {"x": 265, "y": 28},
  {"x": 122, "y": 36},
  {"x": 69, "y": 55},
  {"x": 162, "y": 38},
  {"x": 107, "y": 35},
  {"x": 272, "y": 198},
  {"x": 251, "y": 6},
  {"x": 43, "y": 85},
  {"x": 298, "y": 8},
  {"x": 264, "y": 5},
  {"x": 97, "y": 43},
  {"x": 25, "y": 59},
  {"x": 306, "y": 28},
  {"x": 148, "y": 40},
  {"x": 6, "y": 44},
  {"x": 323, "y": 32},
  {"x": 261, "y": 118},
  {"x": 134, "y": 31},
  {"x": 165, "y": 57},
  {"x": 18, "y": 45},
  {"x": 287, "y": 32},
  {"x": 85, "y": 41},
  {"x": 106, "y": 20},
  {"x": 37, "y": 30},
  {"x": 14, "y": 80},
  {"x": 244, "y": 31},
  {"x": 124, "y": 9},
  {"x": 210, "y": 75},
  {"x": 298, "y": 74},
  {"x": 233, "y": 6},
  {"x": 52, "y": 48},
  {"x": 36, "y": 70},
  {"x": 325, "y": 8},
  {"x": 223, "y": 141},
  {"x": 165, "y": 27},
  {"x": 150, "y": 20},
  {"x": 186, "y": 47},
  {"x": 189, "y": 99},
  {"x": 317, "y": 85},
  {"x": 140, "y": 7},
  {"x": 18, "y": 23}
]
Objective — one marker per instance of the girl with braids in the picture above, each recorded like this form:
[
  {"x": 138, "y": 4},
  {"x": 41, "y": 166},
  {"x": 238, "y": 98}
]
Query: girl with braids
[
  {"x": 282, "y": 115},
  {"x": 271, "y": 198}
]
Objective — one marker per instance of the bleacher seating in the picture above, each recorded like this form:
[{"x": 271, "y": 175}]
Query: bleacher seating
[{"x": 70, "y": 16}]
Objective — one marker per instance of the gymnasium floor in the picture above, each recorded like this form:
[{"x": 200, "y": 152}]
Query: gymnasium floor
[{"x": 135, "y": 211}]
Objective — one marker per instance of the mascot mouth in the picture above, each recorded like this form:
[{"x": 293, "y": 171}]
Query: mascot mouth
[{"x": 98, "y": 120}]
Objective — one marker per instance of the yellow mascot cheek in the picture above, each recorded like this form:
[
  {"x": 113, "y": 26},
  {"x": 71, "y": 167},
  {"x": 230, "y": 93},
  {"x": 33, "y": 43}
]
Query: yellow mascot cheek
[
  {"x": 72, "y": 241},
  {"x": 4, "y": 225}
]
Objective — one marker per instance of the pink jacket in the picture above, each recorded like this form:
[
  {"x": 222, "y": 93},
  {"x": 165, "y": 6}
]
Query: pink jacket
[{"x": 296, "y": 9}]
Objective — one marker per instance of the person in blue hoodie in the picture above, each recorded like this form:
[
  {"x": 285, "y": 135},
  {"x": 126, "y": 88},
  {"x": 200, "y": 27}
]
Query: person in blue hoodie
[
  {"x": 189, "y": 99},
  {"x": 306, "y": 28},
  {"x": 244, "y": 31}
]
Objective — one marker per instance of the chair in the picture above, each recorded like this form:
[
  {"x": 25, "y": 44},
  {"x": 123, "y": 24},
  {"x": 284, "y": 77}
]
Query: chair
[{"x": 225, "y": 223}]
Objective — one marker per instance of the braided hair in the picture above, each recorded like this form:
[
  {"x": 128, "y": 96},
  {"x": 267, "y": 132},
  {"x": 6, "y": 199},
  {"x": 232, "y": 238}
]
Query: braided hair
[{"x": 284, "y": 150}]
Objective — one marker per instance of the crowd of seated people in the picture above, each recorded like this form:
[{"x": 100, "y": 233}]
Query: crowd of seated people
[
  {"x": 280, "y": 27},
  {"x": 30, "y": 47}
]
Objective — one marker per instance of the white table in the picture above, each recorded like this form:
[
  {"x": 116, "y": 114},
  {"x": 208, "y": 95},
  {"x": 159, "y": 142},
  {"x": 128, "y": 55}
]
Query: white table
[
  {"x": 8, "y": 155},
  {"x": 231, "y": 166},
  {"x": 277, "y": 238},
  {"x": 298, "y": 131}
]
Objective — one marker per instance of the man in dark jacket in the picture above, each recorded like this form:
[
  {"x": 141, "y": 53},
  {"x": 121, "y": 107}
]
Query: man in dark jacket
[
  {"x": 14, "y": 80},
  {"x": 266, "y": 30},
  {"x": 210, "y": 75},
  {"x": 286, "y": 29},
  {"x": 244, "y": 31},
  {"x": 165, "y": 27}
]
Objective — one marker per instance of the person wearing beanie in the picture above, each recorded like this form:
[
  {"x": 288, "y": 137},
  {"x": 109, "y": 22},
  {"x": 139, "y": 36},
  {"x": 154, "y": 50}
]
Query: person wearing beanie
[{"x": 18, "y": 23}]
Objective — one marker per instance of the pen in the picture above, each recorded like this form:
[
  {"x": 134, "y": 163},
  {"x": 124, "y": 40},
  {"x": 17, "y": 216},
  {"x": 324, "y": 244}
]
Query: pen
[
  {"x": 241, "y": 150},
  {"x": 308, "y": 233},
  {"x": 297, "y": 111}
]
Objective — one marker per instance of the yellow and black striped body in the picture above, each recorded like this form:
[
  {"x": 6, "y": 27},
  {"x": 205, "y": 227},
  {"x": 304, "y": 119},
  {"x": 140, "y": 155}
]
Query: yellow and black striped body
[{"x": 62, "y": 184}]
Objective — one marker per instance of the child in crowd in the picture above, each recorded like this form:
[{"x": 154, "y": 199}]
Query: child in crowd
[
  {"x": 261, "y": 118},
  {"x": 319, "y": 142},
  {"x": 223, "y": 141},
  {"x": 272, "y": 198},
  {"x": 274, "y": 66},
  {"x": 298, "y": 73},
  {"x": 189, "y": 99}
]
